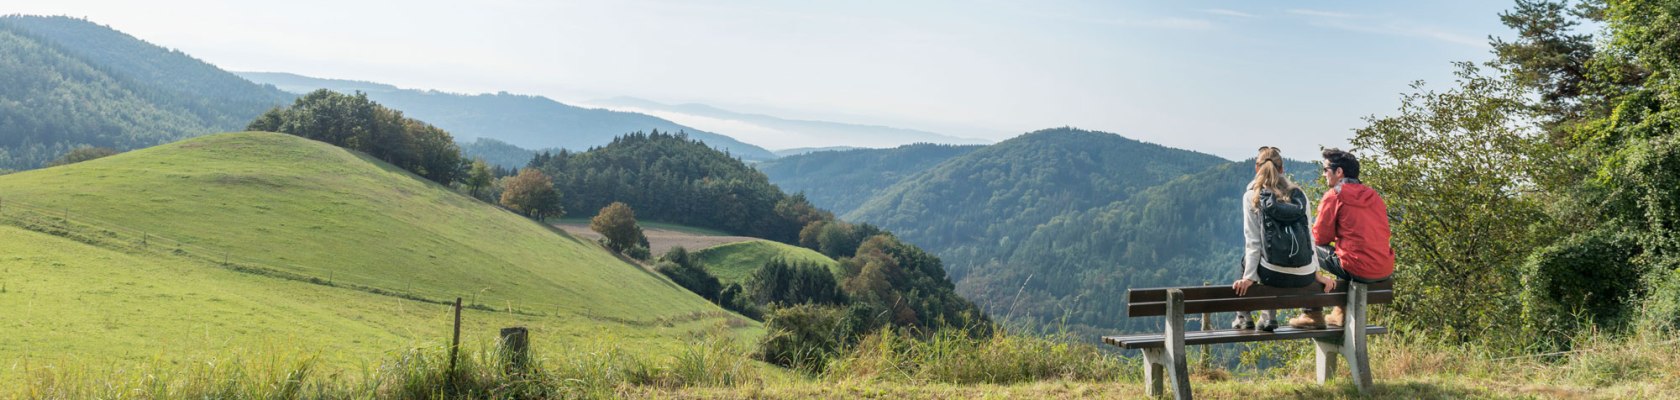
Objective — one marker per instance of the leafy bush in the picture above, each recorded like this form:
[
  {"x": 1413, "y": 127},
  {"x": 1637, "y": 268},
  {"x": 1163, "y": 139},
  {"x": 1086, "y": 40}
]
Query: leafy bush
[{"x": 803, "y": 337}]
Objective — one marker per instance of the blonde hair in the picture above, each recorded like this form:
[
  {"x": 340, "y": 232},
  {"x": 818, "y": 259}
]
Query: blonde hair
[{"x": 1268, "y": 174}]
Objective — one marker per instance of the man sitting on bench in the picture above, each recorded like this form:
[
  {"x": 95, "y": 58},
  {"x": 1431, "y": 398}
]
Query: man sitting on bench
[{"x": 1354, "y": 218}]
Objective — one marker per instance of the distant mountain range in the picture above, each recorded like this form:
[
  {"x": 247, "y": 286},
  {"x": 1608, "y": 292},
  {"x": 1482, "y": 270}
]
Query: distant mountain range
[
  {"x": 1048, "y": 227},
  {"x": 776, "y": 132},
  {"x": 530, "y": 122},
  {"x": 68, "y": 83}
]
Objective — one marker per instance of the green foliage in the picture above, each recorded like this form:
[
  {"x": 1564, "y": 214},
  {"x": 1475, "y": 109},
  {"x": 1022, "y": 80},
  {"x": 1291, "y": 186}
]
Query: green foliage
[
  {"x": 617, "y": 225},
  {"x": 82, "y": 154},
  {"x": 480, "y": 177},
  {"x": 1454, "y": 168},
  {"x": 690, "y": 273},
  {"x": 356, "y": 123},
  {"x": 1587, "y": 275},
  {"x": 671, "y": 178},
  {"x": 908, "y": 288},
  {"x": 804, "y": 337},
  {"x": 784, "y": 283},
  {"x": 533, "y": 195},
  {"x": 69, "y": 83}
]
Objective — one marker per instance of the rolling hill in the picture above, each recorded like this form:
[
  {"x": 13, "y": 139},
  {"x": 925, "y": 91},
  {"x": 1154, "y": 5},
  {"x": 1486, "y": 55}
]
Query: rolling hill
[
  {"x": 841, "y": 181},
  {"x": 271, "y": 238},
  {"x": 530, "y": 122},
  {"x": 962, "y": 208},
  {"x": 68, "y": 83},
  {"x": 734, "y": 262}
]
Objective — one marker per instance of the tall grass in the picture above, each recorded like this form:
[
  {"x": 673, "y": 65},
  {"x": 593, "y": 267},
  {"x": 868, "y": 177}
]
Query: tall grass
[
  {"x": 1609, "y": 366},
  {"x": 596, "y": 371},
  {"x": 952, "y": 356}
]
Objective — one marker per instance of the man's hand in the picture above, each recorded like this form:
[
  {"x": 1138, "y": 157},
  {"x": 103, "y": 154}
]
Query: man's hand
[
  {"x": 1328, "y": 282},
  {"x": 1241, "y": 285}
]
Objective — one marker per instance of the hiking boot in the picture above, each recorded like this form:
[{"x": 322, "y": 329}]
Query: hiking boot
[
  {"x": 1268, "y": 320},
  {"x": 1335, "y": 318},
  {"x": 1242, "y": 322},
  {"x": 1308, "y": 320}
]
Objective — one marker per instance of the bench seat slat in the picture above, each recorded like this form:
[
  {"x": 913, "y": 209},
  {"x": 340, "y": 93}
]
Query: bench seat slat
[
  {"x": 1253, "y": 302},
  {"x": 1232, "y": 336},
  {"x": 1150, "y": 295}
]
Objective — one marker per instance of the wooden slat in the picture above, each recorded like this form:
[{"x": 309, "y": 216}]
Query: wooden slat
[
  {"x": 1222, "y": 292},
  {"x": 1232, "y": 336},
  {"x": 1253, "y": 303}
]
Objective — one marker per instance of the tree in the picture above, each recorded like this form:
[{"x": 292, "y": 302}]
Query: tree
[
  {"x": 781, "y": 282},
  {"x": 479, "y": 177},
  {"x": 617, "y": 225},
  {"x": 356, "y": 123},
  {"x": 532, "y": 194},
  {"x": 1457, "y": 170}
]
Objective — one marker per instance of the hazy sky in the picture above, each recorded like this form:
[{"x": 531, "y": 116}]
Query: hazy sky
[{"x": 1219, "y": 76}]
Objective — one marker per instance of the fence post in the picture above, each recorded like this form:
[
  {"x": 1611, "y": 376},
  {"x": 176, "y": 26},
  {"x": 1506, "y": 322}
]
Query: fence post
[
  {"x": 455, "y": 343},
  {"x": 515, "y": 349}
]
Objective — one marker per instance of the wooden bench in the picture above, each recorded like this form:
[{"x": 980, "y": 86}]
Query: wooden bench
[{"x": 1166, "y": 351}]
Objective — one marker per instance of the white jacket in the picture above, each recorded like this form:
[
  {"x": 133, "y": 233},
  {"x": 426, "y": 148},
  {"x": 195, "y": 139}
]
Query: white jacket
[{"x": 1254, "y": 230}]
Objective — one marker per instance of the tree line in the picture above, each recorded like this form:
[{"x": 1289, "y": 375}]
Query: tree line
[
  {"x": 668, "y": 177},
  {"x": 356, "y": 123}
]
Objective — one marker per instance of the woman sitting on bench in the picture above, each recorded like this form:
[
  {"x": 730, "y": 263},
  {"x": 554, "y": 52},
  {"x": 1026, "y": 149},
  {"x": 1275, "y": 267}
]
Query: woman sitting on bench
[{"x": 1277, "y": 237}]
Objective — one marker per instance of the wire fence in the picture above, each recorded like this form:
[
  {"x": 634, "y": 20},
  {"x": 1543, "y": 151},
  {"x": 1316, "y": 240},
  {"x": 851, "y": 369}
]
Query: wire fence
[{"x": 65, "y": 222}]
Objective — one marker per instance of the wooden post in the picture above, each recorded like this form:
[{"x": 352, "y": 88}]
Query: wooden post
[
  {"x": 1179, "y": 369},
  {"x": 1206, "y": 353},
  {"x": 1353, "y": 337},
  {"x": 145, "y": 238},
  {"x": 515, "y": 349},
  {"x": 455, "y": 343}
]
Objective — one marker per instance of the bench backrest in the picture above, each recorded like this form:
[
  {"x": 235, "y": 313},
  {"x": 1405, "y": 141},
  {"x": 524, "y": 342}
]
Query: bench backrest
[{"x": 1210, "y": 299}]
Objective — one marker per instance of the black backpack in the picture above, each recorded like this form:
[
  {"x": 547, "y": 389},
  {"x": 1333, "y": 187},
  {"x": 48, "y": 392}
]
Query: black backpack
[{"x": 1288, "y": 239}]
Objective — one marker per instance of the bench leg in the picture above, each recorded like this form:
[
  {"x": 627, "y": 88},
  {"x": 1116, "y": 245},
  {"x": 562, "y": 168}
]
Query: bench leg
[
  {"x": 1328, "y": 350},
  {"x": 1154, "y": 364},
  {"x": 1178, "y": 368},
  {"x": 1353, "y": 338}
]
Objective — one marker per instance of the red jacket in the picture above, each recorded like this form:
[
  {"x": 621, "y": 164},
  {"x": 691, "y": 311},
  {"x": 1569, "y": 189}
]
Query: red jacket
[{"x": 1356, "y": 219}]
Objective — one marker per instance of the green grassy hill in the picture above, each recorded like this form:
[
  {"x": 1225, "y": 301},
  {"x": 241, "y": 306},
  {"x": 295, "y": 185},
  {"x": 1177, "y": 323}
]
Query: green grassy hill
[
  {"x": 373, "y": 239},
  {"x": 735, "y": 261}
]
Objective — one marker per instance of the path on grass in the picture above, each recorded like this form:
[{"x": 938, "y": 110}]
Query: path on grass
[{"x": 660, "y": 240}]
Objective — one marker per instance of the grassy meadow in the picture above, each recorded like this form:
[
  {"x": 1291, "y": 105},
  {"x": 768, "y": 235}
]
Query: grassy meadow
[
  {"x": 256, "y": 244},
  {"x": 734, "y": 262}
]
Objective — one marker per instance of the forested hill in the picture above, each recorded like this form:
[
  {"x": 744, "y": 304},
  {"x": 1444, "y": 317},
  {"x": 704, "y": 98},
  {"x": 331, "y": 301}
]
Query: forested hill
[
  {"x": 670, "y": 177},
  {"x": 840, "y": 181},
  {"x": 971, "y": 206},
  {"x": 1084, "y": 214},
  {"x": 67, "y": 83},
  {"x": 531, "y": 122}
]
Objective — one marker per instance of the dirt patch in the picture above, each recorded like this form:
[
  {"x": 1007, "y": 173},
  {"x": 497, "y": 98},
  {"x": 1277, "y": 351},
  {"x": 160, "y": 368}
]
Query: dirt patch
[{"x": 660, "y": 240}]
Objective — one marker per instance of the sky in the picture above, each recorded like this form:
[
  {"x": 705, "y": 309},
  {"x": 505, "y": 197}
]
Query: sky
[{"x": 1222, "y": 77}]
